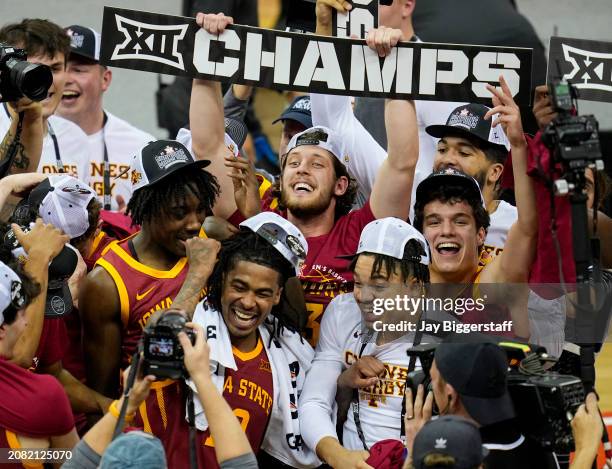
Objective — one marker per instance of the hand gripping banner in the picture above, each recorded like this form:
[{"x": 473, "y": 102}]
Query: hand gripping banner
[{"x": 289, "y": 61}]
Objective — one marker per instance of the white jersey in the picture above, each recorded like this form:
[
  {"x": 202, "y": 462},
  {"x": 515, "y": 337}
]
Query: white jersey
[
  {"x": 341, "y": 343},
  {"x": 122, "y": 141},
  {"x": 501, "y": 221},
  {"x": 363, "y": 153},
  {"x": 72, "y": 146}
]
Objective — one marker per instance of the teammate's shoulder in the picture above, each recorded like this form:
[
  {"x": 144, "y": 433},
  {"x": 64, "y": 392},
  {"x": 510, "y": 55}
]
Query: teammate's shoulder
[
  {"x": 343, "y": 309},
  {"x": 64, "y": 127},
  {"x": 124, "y": 129}
]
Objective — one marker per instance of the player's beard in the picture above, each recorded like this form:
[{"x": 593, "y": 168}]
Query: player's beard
[
  {"x": 481, "y": 178},
  {"x": 300, "y": 208}
]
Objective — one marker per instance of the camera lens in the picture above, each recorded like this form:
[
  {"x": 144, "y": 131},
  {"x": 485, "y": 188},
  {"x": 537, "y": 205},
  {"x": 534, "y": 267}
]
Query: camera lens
[{"x": 32, "y": 80}]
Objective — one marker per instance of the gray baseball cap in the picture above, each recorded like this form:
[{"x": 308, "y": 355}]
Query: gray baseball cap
[{"x": 452, "y": 436}]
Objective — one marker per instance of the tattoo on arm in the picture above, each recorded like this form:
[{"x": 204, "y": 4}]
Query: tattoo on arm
[
  {"x": 189, "y": 296},
  {"x": 21, "y": 160}
]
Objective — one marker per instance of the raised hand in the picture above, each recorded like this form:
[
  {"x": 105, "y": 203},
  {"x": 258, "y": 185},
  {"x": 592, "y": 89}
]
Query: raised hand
[
  {"x": 214, "y": 24},
  {"x": 246, "y": 186},
  {"x": 383, "y": 39},
  {"x": 509, "y": 113}
]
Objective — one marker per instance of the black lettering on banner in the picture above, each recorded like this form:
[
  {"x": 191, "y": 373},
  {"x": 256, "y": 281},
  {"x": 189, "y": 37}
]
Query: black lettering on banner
[
  {"x": 585, "y": 64},
  {"x": 358, "y": 21},
  {"x": 328, "y": 65}
]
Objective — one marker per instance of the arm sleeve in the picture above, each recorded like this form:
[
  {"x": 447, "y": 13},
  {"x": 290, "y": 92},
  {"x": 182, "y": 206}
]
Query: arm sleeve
[
  {"x": 317, "y": 402},
  {"x": 234, "y": 107},
  {"x": 364, "y": 153},
  {"x": 83, "y": 457},
  {"x": 245, "y": 461}
]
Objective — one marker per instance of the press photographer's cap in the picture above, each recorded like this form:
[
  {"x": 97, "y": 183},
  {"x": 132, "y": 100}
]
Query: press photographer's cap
[
  {"x": 10, "y": 290},
  {"x": 321, "y": 137},
  {"x": 449, "y": 435},
  {"x": 446, "y": 177},
  {"x": 299, "y": 110},
  {"x": 62, "y": 201},
  {"x": 160, "y": 159},
  {"x": 389, "y": 236},
  {"x": 468, "y": 120},
  {"x": 134, "y": 450},
  {"x": 478, "y": 369},
  {"x": 84, "y": 42},
  {"x": 282, "y": 234}
]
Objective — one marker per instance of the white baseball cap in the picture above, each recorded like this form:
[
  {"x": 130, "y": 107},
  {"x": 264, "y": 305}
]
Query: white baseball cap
[
  {"x": 321, "y": 137},
  {"x": 62, "y": 200},
  {"x": 389, "y": 236},
  {"x": 282, "y": 234},
  {"x": 10, "y": 290}
]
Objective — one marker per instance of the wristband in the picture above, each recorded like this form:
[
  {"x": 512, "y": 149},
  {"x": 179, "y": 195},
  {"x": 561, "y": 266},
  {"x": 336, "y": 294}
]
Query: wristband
[{"x": 114, "y": 411}]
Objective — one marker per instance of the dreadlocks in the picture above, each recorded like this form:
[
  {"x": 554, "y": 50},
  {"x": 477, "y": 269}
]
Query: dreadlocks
[
  {"x": 153, "y": 201},
  {"x": 250, "y": 247},
  {"x": 409, "y": 266}
]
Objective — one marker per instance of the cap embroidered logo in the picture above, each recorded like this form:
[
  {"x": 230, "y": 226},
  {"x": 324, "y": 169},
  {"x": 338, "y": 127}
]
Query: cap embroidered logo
[
  {"x": 464, "y": 119},
  {"x": 440, "y": 443},
  {"x": 296, "y": 247}
]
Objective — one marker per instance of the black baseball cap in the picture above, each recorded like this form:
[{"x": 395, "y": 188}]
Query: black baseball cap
[
  {"x": 160, "y": 159},
  {"x": 478, "y": 370},
  {"x": 299, "y": 111},
  {"x": 84, "y": 42},
  {"x": 448, "y": 176},
  {"x": 468, "y": 120},
  {"x": 453, "y": 436}
]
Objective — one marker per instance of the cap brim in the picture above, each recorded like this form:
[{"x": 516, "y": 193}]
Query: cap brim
[
  {"x": 427, "y": 184},
  {"x": 200, "y": 164},
  {"x": 59, "y": 301},
  {"x": 300, "y": 117},
  {"x": 441, "y": 131},
  {"x": 81, "y": 55},
  {"x": 487, "y": 411}
]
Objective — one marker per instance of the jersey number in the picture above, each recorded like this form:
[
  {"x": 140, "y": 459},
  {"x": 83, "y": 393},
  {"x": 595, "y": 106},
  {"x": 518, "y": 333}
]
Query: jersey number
[
  {"x": 315, "y": 314},
  {"x": 242, "y": 415}
]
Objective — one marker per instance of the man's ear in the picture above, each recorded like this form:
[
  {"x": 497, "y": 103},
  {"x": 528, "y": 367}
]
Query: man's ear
[
  {"x": 494, "y": 173},
  {"x": 408, "y": 8},
  {"x": 481, "y": 235},
  {"x": 341, "y": 186},
  {"x": 107, "y": 78},
  {"x": 3, "y": 330}
]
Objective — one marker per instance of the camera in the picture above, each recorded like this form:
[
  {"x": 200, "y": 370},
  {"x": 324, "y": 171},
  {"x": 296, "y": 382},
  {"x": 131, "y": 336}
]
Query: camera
[
  {"x": 163, "y": 354},
  {"x": 573, "y": 139},
  {"x": 19, "y": 78}
]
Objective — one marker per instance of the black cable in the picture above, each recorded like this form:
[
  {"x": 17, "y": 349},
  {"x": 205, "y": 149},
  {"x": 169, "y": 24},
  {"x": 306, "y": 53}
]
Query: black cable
[
  {"x": 126, "y": 392},
  {"x": 193, "y": 457}
]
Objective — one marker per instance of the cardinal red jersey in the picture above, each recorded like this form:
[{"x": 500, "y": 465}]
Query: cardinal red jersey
[
  {"x": 142, "y": 291},
  {"x": 323, "y": 275},
  {"x": 248, "y": 391},
  {"x": 9, "y": 440}
]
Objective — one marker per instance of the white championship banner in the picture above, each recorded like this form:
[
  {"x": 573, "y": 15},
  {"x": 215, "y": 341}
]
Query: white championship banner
[{"x": 290, "y": 61}]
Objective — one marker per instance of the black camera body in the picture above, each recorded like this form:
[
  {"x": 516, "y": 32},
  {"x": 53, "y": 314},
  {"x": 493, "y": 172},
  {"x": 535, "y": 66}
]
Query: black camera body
[
  {"x": 163, "y": 353},
  {"x": 19, "y": 78},
  {"x": 545, "y": 406},
  {"x": 573, "y": 139}
]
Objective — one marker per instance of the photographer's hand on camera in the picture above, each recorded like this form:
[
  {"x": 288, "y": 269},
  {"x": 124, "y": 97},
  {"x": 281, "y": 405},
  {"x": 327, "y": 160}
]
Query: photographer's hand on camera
[
  {"x": 42, "y": 243},
  {"x": 542, "y": 107},
  {"x": 363, "y": 373},
  {"x": 418, "y": 413},
  {"x": 587, "y": 428},
  {"x": 197, "y": 355}
]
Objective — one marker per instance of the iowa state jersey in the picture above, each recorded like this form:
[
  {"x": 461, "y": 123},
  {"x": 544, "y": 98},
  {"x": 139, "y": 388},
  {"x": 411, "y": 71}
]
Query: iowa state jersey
[
  {"x": 248, "y": 391},
  {"x": 142, "y": 291}
]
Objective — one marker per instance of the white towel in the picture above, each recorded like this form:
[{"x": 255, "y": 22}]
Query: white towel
[{"x": 290, "y": 359}]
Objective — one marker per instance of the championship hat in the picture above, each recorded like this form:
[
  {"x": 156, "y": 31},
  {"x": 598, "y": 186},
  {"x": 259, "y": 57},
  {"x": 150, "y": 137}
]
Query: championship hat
[
  {"x": 11, "y": 291},
  {"x": 389, "y": 236},
  {"x": 445, "y": 177},
  {"x": 299, "y": 110},
  {"x": 282, "y": 234},
  {"x": 84, "y": 42},
  {"x": 449, "y": 435},
  {"x": 321, "y": 137},
  {"x": 468, "y": 120},
  {"x": 160, "y": 159},
  {"x": 478, "y": 370},
  {"x": 62, "y": 201}
]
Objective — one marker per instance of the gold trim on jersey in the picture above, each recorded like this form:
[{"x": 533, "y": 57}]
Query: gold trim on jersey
[
  {"x": 96, "y": 243},
  {"x": 14, "y": 443},
  {"x": 145, "y": 269},
  {"x": 146, "y": 426},
  {"x": 124, "y": 298},
  {"x": 246, "y": 356}
]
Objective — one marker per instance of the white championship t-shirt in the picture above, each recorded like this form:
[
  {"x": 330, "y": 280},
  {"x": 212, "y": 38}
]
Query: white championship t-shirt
[{"x": 123, "y": 141}]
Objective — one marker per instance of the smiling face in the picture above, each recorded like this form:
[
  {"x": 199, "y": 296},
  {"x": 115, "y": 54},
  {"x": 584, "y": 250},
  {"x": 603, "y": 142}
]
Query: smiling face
[
  {"x": 462, "y": 155},
  {"x": 57, "y": 63},
  {"x": 181, "y": 221},
  {"x": 250, "y": 291},
  {"x": 450, "y": 228},
  {"x": 309, "y": 185},
  {"x": 85, "y": 84}
]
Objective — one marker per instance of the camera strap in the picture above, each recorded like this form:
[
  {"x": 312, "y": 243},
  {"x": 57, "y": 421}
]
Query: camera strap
[
  {"x": 106, "y": 164},
  {"x": 58, "y": 156},
  {"x": 193, "y": 457},
  {"x": 355, "y": 400}
]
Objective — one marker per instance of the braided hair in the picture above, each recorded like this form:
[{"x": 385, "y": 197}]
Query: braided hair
[
  {"x": 250, "y": 247},
  {"x": 153, "y": 201}
]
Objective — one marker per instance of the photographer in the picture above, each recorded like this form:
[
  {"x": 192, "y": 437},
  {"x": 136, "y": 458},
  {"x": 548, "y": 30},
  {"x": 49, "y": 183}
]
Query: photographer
[
  {"x": 469, "y": 379},
  {"x": 587, "y": 429},
  {"x": 34, "y": 410}
]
